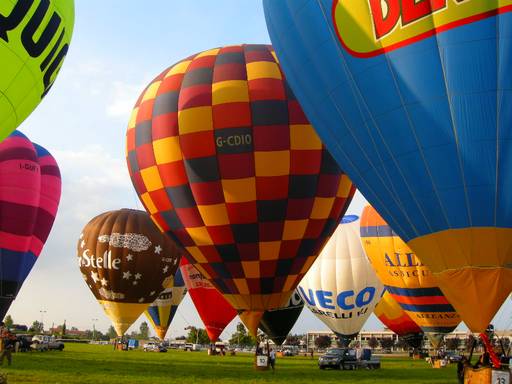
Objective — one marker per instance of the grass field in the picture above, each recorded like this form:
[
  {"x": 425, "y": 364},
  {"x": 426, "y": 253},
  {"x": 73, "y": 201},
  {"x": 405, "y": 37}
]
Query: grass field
[{"x": 96, "y": 364}]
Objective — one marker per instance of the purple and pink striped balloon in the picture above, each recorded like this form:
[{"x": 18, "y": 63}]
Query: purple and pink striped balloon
[{"x": 30, "y": 187}]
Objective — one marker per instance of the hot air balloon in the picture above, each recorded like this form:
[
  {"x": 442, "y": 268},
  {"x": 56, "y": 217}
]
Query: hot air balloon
[
  {"x": 341, "y": 288},
  {"x": 163, "y": 309},
  {"x": 277, "y": 323},
  {"x": 408, "y": 281},
  {"x": 215, "y": 312},
  {"x": 413, "y": 100},
  {"x": 394, "y": 317},
  {"x": 34, "y": 40},
  {"x": 30, "y": 187},
  {"x": 224, "y": 160},
  {"x": 126, "y": 262}
]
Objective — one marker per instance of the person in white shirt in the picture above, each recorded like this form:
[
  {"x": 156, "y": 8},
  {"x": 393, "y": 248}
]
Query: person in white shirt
[{"x": 272, "y": 358}]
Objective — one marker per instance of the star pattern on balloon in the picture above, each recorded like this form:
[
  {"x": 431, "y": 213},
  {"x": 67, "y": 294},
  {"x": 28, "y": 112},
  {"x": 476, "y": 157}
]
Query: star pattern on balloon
[
  {"x": 127, "y": 275},
  {"x": 138, "y": 276},
  {"x": 165, "y": 269},
  {"x": 158, "y": 249},
  {"x": 94, "y": 276},
  {"x": 129, "y": 257},
  {"x": 104, "y": 282}
]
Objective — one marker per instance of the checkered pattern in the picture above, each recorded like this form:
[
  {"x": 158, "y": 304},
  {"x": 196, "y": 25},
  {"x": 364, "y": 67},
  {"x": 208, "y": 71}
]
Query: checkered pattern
[{"x": 225, "y": 161}]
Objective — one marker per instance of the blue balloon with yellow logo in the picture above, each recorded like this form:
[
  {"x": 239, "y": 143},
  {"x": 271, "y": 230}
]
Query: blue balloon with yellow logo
[{"x": 414, "y": 100}]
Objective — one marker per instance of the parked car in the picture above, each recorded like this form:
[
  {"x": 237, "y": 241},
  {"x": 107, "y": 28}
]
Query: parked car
[
  {"x": 346, "y": 358},
  {"x": 192, "y": 347},
  {"x": 336, "y": 358},
  {"x": 154, "y": 347},
  {"x": 452, "y": 357},
  {"x": 46, "y": 343}
]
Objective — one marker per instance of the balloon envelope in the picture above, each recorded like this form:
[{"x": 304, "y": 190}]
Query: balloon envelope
[
  {"x": 394, "y": 317},
  {"x": 277, "y": 323},
  {"x": 341, "y": 288},
  {"x": 413, "y": 100},
  {"x": 163, "y": 309},
  {"x": 224, "y": 160},
  {"x": 126, "y": 262},
  {"x": 30, "y": 187},
  {"x": 34, "y": 40},
  {"x": 408, "y": 281},
  {"x": 215, "y": 312}
]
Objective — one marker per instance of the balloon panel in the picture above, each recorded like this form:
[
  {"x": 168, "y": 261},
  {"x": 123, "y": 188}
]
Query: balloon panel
[
  {"x": 34, "y": 40},
  {"x": 408, "y": 281},
  {"x": 30, "y": 187},
  {"x": 420, "y": 119},
  {"x": 278, "y": 323},
  {"x": 126, "y": 262},
  {"x": 161, "y": 312},
  {"x": 215, "y": 312},
  {"x": 224, "y": 160},
  {"x": 393, "y": 316},
  {"x": 341, "y": 288}
]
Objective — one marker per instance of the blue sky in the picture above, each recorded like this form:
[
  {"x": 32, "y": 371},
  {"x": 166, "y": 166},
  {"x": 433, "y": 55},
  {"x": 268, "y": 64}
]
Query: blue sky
[{"x": 117, "y": 48}]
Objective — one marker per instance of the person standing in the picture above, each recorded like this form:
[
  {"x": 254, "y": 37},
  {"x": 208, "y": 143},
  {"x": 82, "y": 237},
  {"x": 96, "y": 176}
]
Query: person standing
[
  {"x": 272, "y": 358},
  {"x": 7, "y": 344}
]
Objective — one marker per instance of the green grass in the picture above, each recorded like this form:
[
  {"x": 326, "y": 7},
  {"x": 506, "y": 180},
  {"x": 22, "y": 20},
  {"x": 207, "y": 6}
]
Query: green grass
[{"x": 95, "y": 364}]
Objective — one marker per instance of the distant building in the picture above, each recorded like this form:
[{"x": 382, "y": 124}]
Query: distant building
[
  {"x": 364, "y": 336},
  {"x": 71, "y": 332}
]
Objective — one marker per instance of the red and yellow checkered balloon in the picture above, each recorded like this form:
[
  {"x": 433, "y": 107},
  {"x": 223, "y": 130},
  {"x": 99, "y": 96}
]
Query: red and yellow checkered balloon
[{"x": 225, "y": 161}]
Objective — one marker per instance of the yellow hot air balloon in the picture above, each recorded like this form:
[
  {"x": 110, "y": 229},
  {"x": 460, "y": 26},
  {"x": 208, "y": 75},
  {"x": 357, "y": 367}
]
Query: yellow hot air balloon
[
  {"x": 126, "y": 262},
  {"x": 409, "y": 282}
]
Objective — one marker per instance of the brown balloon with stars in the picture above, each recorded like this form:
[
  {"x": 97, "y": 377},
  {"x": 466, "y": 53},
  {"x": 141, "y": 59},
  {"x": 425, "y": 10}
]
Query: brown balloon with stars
[{"x": 126, "y": 262}]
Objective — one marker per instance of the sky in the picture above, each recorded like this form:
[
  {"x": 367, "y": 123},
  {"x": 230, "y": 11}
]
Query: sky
[{"x": 118, "y": 46}]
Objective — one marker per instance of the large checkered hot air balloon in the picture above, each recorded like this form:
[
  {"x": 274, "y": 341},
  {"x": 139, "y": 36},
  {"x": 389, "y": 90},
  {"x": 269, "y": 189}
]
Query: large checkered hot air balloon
[
  {"x": 224, "y": 160},
  {"x": 414, "y": 101},
  {"x": 406, "y": 278},
  {"x": 30, "y": 188},
  {"x": 34, "y": 41}
]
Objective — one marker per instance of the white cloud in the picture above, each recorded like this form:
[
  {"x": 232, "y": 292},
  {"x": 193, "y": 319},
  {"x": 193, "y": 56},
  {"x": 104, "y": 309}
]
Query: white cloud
[{"x": 122, "y": 99}]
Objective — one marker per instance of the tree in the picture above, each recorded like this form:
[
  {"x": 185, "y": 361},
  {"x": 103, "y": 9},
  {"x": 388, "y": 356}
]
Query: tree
[
  {"x": 37, "y": 327},
  {"x": 452, "y": 343},
  {"x": 111, "y": 333},
  {"x": 470, "y": 341},
  {"x": 387, "y": 343},
  {"x": 197, "y": 335},
  {"x": 241, "y": 337},
  {"x": 8, "y": 322},
  {"x": 144, "y": 330},
  {"x": 373, "y": 342},
  {"x": 323, "y": 341},
  {"x": 63, "y": 329},
  {"x": 181, "y": 338},
  {"x": 294, "y": 339},
  {"x": 505, "y": 341}
]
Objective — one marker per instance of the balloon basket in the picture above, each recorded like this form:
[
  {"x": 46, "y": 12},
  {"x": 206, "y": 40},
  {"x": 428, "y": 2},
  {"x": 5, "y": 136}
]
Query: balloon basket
[
  {"x": 486, "y": 375},
  {"x": 261, "y": 363}
]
